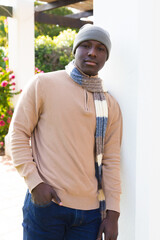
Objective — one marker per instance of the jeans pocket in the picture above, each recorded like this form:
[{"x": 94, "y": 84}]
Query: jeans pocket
[{"x": 42, "y": 214}]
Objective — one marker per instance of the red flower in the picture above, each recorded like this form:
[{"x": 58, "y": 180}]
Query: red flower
[
  {"x": 4, "y": 83},
  {"x": 10, "y": 112},
  {"x": 2, "y": 123},
  {"x": 9, "y": 120},
  {"x": 13, "y": 83},
  {"x": 2, "y": 116},
  {"x": 11, "y": 76},
  {"x": 1, "y": 143}
]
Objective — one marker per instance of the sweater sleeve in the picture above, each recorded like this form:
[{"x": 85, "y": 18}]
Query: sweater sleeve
[
  {"x": 25, "y": 118},
  {"x": 111, "y": 181}
]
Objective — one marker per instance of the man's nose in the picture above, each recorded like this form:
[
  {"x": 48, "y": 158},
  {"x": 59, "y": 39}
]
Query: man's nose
[{"x": 92, "y": 51}]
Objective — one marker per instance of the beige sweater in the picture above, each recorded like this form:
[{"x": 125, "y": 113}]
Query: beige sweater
[{"x": 59, "y": 117}]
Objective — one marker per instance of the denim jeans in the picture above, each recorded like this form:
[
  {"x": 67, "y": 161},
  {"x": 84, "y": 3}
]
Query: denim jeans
[{"x": 54, "y": 222}]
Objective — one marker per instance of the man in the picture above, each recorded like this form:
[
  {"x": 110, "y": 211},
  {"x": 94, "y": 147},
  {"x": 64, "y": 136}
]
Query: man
[{"x": 75, "y": 130}]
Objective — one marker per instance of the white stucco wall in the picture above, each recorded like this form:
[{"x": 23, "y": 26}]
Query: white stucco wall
[
  {"x": 121, "y": 78},
  {"x": 21, "y": 41},
  {"x": 132, "y": 76},
  {"x": 154, "y": 163}
]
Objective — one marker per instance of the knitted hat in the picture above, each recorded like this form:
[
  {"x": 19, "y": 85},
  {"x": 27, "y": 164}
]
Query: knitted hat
[{"x": 92, "y": 32}]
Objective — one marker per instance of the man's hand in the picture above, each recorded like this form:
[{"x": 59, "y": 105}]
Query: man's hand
[
  {"x": 109, "y": 226},
  {"x": 43, "y": 194}
]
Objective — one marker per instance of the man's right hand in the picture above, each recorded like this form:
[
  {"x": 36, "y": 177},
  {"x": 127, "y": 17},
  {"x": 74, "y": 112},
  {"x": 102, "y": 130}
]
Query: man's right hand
[{"x": 43, "y": 194}]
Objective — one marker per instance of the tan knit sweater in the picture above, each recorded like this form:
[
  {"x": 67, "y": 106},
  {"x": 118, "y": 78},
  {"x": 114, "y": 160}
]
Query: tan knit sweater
[{"x": 59, "y": 117}]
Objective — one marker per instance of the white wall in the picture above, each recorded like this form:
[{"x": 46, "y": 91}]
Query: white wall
[
  {"x": 154, "y": 210},
  {"x": 21, "y": 41},
  {"x": 121, "y": 77},
  {"x": 132, "y": 76}
]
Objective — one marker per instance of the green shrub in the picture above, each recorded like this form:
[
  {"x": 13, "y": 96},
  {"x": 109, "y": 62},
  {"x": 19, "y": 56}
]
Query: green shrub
[
  {"x": 44, "y": 46},
  {"x": 2, "y": 57},
  {"x": 7, "y": 91},
  {"x": 65, "y": 38},
  {"x": 3, "y": 31},
  {"x": 54, "y": 54}
]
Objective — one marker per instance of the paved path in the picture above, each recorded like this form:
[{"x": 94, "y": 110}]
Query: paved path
[{"x": 12, "y": 193}]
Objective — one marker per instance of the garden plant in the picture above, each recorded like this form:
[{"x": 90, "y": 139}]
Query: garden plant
[
  {"x": 7, "y": 91},
  {"x": 55, "y": 53}
]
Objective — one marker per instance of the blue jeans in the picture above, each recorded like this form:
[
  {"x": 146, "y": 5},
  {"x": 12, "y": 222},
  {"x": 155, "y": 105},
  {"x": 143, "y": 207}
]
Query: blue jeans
[{"x": 54, "y": 222}]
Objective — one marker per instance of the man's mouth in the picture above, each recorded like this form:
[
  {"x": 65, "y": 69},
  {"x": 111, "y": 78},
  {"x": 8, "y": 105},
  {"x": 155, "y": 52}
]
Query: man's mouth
[{"x": 91, "y": 63}]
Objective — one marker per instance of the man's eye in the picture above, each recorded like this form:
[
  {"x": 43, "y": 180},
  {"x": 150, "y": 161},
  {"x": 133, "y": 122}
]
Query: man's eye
[
  {"x": 85, "y": 45},
  {"x": 101, "y": 49}
]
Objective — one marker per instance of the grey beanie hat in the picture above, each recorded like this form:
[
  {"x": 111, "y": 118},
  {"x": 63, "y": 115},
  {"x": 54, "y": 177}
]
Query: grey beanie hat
[{"x": 92, "y": 32}]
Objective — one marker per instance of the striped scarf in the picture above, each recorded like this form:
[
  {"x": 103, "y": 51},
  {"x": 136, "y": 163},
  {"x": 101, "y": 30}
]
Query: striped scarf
[{"x": 94, "y": 85}]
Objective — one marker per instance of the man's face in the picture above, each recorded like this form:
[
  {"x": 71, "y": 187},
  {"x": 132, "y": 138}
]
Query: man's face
[{"x": 90, "y": 57}]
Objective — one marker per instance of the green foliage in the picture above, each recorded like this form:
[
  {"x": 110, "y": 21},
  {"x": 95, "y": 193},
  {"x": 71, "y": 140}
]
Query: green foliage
[
  {"x": 7, "y": 91},
  {"x": 3, "y": 31},
  {"x": 44, "y": 46},
  {"x": 47, "y": 29},
  {"x": 54, "y": 54},
  {"x": 65, "y": 38},
  {"x": 2, "y": 27},
  {"x": 2, "y": 56},
  {"x": 62, "y": 11}
]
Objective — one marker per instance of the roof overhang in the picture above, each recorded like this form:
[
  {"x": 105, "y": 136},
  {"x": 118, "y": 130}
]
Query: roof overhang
[
  {"x": 6, "y": 11},
  {"x": 85, "y": 8},
  {"x": 82, "y": 5}
]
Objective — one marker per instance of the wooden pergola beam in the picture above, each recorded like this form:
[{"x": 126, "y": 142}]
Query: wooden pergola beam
[
  {"x": 56, "y": 4},
  {"x": 81, "y": 14},
  {"x": 6, "y": 11},
  {"x": 60, "y": 20}
]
